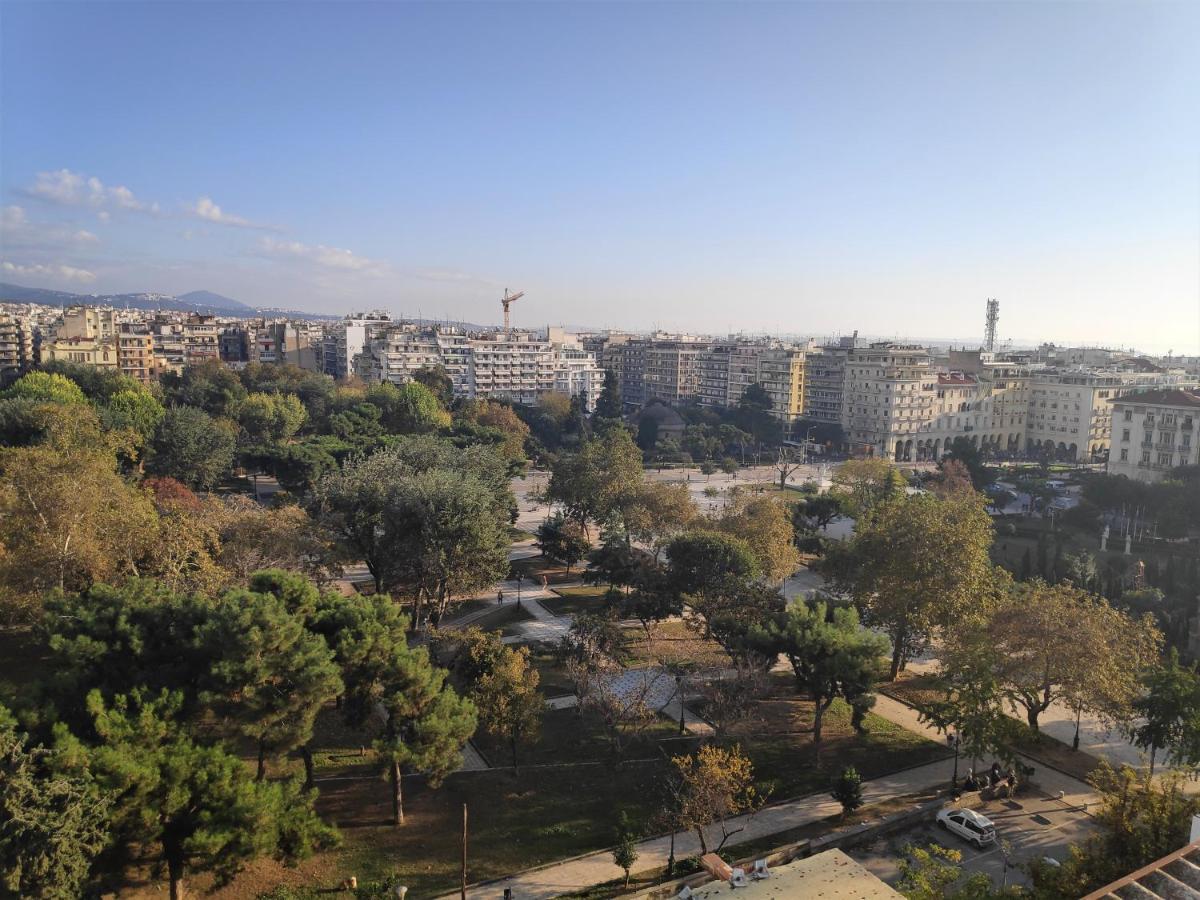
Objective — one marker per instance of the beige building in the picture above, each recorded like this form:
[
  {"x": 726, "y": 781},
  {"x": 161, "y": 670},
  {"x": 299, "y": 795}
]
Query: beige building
[
  {"x": 1154, "y": 432},
  {"x": 135, "y": 352}
]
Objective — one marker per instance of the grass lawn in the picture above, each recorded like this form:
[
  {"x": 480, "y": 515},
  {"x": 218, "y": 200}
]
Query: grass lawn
[
  {"x": 571, "y": 600},
  {"x": 535, "y": 567},
  {"x": 777, "y": 737},
  {"x": 505, "y": 618},
  {"x": 919, "y": 689},
  {"x": 671, "y": 643}
]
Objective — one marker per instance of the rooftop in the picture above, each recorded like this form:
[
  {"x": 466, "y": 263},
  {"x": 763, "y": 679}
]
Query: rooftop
[
  {"x": 830, "y": 875},
  {"x": 1164, "y": 397},
  {"x": 1174, "y": 877}
]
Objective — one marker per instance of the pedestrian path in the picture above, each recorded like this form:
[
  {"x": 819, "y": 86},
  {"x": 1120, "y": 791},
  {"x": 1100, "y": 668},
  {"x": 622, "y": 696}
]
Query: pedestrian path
[{"x": 595, "y": 868}]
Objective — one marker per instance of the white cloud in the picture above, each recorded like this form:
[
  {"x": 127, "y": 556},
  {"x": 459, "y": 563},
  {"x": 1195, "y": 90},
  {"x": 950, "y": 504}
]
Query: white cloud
[
  {"x": 68, "y": 188},
  {"x": 321, "y": 255},
  {"x": 18, "y": 230},
  {"x": 204, "y": 208},
  {"x": 41, "y": 272},
  {"x": 104, "y": 216}
]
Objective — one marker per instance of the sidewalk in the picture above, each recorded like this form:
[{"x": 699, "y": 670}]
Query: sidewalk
[{"x": 595, "y": 868}]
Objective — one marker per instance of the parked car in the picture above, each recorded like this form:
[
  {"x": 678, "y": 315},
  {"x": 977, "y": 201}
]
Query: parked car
[{"x": 968, "y": 825}]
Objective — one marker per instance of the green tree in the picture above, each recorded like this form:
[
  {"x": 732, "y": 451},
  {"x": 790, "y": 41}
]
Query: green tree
[
  {"x": 437, "y": 381},
  {"x": 52, "y": 825},
  {"x": 847, "y": 790},
  {"x": 597, "y": 482},
  {"x": 192, "y": 447},
  {"x": 764, "y": 525},
  {"x": 933, "y": 873},
  {"x": 270, "y": 418},
  {"x": 562, "y": 540},
  {"x": 196, "y": 803},
  {"x": 625, "y": 852},
  {"x": 135, "y": 410},
  {"x": 1094, "y": 665},
  {"x": 915, "y": 565},
  {"x": 830, "y": 653},
  {"x": 865, "y": 483},
  {"x": 271, "y": 677},
  {"x": 1169, "y": 713},
  {"x": 410, "y": 408},
  {"x": 427, "y": 723},
  {"x": 209, "y": 386},
  {"x": 46, "y": 387},
  {"x": 509, "y": 702},
  {"x": 609, "y": 406}
]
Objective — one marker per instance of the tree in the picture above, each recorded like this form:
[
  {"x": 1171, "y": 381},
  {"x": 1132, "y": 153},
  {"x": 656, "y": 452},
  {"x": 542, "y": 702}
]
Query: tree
[
  {"x": 609, "y": 406},
  {"x": 655, "y": 511},
  {"x": 135, "y": 410},
  {"x": 915, "y": 565},
  {"x": 196, "y": 803},
  {"x": 847, "y": 790},
  {"x": 254, "y": 537},
  {"x": 438, "y": 381},
  {"x": 817, "y": 511},
  {"x": 500, "y": 416},
  {"x": 866, "y": 483},
  {"x": 208, "y": 385},
  {"x": 953, "y": 478},
  {"x": 625, "y": 852},
  {"x": 67, "y": 519},
  {"x": 711, "y": 786},
  {"x": 410, "y": 408},
  {"x": 1093, "y": 664},
  {"x": 192, "y": 447},
  {"x": 1169, "y": 713},
  {"x": 270, "y": 418},
  {"x": 46, "y": 387},
  {"x": 510, "y": 705},
  {"x": 562, "y": 540},
  {"x": 270, "y": 677},
  {"x": 933, "y": 873},
  {"x": 426, "y": 723},
  {"x": 764, "y": 525},
  {"x": 967, "y": 455},
  {"x": 1139, "y": 819},
  {"x": 52, "y": 825},
  {"x": 709, "y": 570},
  {"x": 598, "y": 481},
  {"x": 831, "y": 655}
]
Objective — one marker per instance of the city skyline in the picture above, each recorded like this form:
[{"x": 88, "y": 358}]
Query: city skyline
[{"x": 785, "y": 169}]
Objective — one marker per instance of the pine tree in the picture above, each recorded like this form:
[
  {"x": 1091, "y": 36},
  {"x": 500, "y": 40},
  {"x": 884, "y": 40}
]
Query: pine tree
[
  {"x": 196, "y": 803},
  {"x": 51, "y": 825},
  {"x": 271, "y": 676},
  {"x": 847, "y": 790},
  {"x": 609, "y": 404},
  {"x": 427, "y": 723}
]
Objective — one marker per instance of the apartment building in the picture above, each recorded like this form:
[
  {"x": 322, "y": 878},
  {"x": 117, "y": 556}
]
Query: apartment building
[
  {"x": 135, "y": 352},
  {"x": 84, "y": 335},
  {"x": 511, "y": 366},
  {"x": 888, "y": 395},
  {"x": 825, "y": 383},
  {"x": 577, "y": 374},
  {"x": 1154, "y": 432},
  {"x": 712, "y": 374},
  {"x": 16, "y": 347},
  {"x": 345, "y": 340},
  {"x": 781, "y": 373},
  {"x": 398, "y": 351}
]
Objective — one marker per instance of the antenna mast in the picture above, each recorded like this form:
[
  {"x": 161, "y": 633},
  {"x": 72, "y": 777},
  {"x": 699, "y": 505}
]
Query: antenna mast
[{"x": 993, "y": 316}]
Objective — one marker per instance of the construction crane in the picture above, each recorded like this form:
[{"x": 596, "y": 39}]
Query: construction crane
[{"x": 505, "y": 301}]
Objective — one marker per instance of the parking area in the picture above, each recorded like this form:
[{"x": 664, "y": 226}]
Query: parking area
[{"x": 1026, "y": 828}]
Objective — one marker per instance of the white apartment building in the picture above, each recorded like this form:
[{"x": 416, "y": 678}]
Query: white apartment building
[
  {"x": 398, "y": 352},
  {"x": 888, "y": 395},
  {"x": 513, "y": 366},
  {"x": 1154, "y": 432},
  {"x": 348, "y": 338},
  {"x": 576, "y": 374}
]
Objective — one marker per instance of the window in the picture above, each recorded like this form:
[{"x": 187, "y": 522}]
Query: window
[
  {"x": 1145, "y": 456},
  {"x": 1129, "y": 415},
  {"x": 1164, "y": 459},
  {"x": 1124, "y": 456},
  {"x": 1125, "y": 434}
]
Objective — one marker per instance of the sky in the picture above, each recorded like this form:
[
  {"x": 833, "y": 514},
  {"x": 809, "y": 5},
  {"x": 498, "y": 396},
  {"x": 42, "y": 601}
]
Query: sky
[{"x": 800, "y": 168}]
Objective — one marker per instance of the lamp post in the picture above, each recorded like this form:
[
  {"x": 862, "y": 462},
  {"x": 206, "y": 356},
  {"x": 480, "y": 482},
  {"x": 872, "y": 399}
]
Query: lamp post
[
  {"x": 954, "y": 740},
  {"x": 519, "y": 580},
  {"x": 679, "y": 693},
  {"x": 808, "y": 445}
]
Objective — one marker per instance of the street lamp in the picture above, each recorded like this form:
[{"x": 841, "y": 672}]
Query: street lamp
[
  {"x": 679, "y": 693},
  {"x": 954, "y": 740},
  {"x": 520, "y": 578},
  {"x": 808, "y": 445}
]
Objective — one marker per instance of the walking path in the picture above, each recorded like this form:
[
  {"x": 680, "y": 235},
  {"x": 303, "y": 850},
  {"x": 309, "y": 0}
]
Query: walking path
[{"x": 595, "y": 868}]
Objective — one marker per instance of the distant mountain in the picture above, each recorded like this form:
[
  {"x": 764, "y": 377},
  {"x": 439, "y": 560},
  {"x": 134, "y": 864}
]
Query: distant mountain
[
  {"x": 194, "y": 301},
  {"x": 212, "y": 301}
]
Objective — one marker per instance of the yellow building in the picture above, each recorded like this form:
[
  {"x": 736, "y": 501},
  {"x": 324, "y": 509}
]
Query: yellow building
[
  {"x": 88, "y": 351},
  {"x": 781, "y": 373}
]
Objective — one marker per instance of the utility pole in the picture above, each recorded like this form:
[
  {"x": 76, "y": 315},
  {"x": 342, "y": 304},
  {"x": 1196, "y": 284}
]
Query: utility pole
[{"x": 464, "y": 854}]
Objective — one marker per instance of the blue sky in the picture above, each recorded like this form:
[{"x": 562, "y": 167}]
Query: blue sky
[{"x": 804, "y": 168}]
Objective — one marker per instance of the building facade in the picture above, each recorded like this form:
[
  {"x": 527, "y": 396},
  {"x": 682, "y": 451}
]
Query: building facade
[{"x": 1154, "y": 432}]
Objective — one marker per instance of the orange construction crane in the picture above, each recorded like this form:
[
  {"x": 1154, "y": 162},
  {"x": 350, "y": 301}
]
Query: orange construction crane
[{"x": 506, "y": 300}]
